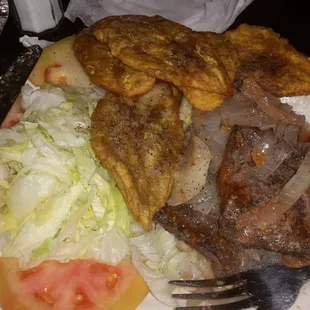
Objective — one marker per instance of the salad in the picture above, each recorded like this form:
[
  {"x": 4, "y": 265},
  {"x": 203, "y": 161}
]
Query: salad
[{"x": 58, "y": 204}]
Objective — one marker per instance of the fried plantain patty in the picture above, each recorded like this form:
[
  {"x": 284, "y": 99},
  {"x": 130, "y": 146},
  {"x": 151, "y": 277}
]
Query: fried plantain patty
[
  {"x": 140, "y": 141},
  {"x": 165, "y": 50},
  {"x": 107, "y": 71},
  {"x": 277, "y": 67}
]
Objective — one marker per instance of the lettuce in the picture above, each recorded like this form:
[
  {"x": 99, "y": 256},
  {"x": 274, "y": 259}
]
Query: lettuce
[
  {"x": 56, "y": 199},
  {"x": 159, "y": 257},
  {"x": 58, "y": 202}
]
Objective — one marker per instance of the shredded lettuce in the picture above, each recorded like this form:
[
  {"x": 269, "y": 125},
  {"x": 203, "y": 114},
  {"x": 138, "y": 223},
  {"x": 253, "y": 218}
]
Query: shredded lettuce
[
  {"x": 58, "y": 202},
  {"x": 56, "y": 199},
  {"x": 159, "y": 258}
]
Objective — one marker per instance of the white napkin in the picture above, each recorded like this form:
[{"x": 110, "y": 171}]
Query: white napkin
[{"x": 202, "y": 15}]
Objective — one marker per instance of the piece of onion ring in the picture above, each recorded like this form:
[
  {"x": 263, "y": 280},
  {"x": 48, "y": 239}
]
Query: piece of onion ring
[
  {"x": 273, "y": 210},
  {"x": 252, "y": 91},
  {"x": 191, "y": 177}
]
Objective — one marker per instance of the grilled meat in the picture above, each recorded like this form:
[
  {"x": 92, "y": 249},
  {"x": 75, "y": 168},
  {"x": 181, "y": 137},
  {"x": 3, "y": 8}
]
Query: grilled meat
[
  {"x": 201, "y": 231},
  {"x": 219, "y": 236},
  {"x": 241, "y": 194}
]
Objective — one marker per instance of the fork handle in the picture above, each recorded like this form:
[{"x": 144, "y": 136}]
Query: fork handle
[{"x": 306, "y": 271}]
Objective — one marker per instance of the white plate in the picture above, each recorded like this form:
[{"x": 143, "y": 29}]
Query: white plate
[
  {"x": 301, "y": 303},
  {"x": 301, "y": 105}
]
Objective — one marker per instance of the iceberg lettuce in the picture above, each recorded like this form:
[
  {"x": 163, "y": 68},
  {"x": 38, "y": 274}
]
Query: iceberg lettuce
[{"x": 58, "y": 202}]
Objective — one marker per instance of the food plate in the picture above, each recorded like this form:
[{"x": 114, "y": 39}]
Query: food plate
[{"x": 300, "y": 105}]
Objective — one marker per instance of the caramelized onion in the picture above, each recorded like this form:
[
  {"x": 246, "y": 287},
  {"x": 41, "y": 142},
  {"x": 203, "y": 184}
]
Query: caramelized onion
[
  {"x": 191, "y": 177},
  {"x": 206, "y": 124},
  {"x": 291, "y": 192},
  {"x": 208, "y": 198},
  {"x": 267, "y": 141},
  {"x": 269, "y": 104},
  {"x": 207, "y": 128},
  {"x": 273, "y": 158},
  {"x": 221, "y": 137},
  {"x": 241, "y": 111}
]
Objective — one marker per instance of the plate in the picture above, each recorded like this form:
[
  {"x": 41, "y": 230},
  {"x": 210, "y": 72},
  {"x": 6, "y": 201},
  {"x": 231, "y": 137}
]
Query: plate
[{"x": 301, "y": 105}]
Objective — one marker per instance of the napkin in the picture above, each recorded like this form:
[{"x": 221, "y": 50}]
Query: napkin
[{"x": 200, "y": 15}]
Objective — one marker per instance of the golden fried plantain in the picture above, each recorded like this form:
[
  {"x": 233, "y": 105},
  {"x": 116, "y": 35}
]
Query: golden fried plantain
[
  {"x": 107, "y": 71},
  {"x": 165, "y": 50},
  {"x": 224, "y": 49},
  {"x": 202, "y": 100},
  {"x": 140, "y": 141},
  {"x": 277, "y": 67}
]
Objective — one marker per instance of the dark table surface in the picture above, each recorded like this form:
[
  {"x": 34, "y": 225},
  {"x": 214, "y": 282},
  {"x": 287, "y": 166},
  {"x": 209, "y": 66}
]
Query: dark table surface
[{"x": 287, "y": 17}]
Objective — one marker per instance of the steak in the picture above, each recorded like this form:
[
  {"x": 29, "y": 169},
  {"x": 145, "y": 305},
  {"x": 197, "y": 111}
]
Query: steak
[
  {"x": 201, "y": 232},
  {"x": 242, "y": 194},
  {"x": 219, "y": 235}
]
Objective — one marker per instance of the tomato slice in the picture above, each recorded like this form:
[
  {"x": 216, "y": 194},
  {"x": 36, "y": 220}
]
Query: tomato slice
[{"x": 76, "y": 285}]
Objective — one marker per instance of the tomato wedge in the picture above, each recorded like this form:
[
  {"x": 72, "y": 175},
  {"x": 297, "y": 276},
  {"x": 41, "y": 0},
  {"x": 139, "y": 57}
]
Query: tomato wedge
[{"x": 77, "y": 285}]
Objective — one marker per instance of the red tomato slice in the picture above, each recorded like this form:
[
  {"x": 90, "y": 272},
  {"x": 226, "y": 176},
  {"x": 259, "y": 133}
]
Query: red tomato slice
[{"x": 76, "y": 285}]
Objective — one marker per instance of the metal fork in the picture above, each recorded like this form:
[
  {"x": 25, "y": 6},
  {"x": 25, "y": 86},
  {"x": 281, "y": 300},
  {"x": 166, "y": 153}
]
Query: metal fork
[{"x": 271, "y": 288}]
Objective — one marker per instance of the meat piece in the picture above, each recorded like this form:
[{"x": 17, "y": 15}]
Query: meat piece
[
  {"x": 140, "y": 141},
  {"x": 243, "y": 192},
  {"x": 201, "y": 232},
  {"x": 107, "y": 71},
  {"x": 265, "y": 56},
  {"x": 169, "y": 51}
]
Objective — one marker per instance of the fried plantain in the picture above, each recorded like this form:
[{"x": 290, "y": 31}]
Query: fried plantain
[
  {"x": 277, "y": 67},
  {"x": 165, "y": 50},
  {"x": 204, "y": 100},
  {"x": 140, "y": 141},
  {"x": 107, "y": 71},
  {"x": 224, "y": 49}
]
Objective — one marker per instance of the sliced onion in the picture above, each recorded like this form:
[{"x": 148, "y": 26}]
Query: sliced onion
[
  {"x": 266, "y": 142},
  {"x": 291, "y": 192},
  {"x": 241, "y": 111},
  {"x": 221, "y": 137},
  {"x": 269, "y": 104},
  {"x": 206, "y": 124},
  {"x": 207, "y": 199},
  {"x": 217, "y": 154},
  {"x": 292, "y": 133},
  {"x": 207, "y": 128},
  {"x": 279, "y": 129},
  {"x": 192, "y": 174},
  {"x": 274, "y": 157}
]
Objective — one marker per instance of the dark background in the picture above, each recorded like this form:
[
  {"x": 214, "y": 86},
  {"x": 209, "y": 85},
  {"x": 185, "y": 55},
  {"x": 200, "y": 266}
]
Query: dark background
[{"x": 291, "y": 19}]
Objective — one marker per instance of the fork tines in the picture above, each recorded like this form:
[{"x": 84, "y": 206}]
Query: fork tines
[
  {"x": 209, "y": 283},
  {"x": 239, "y": 305},
  {"x": 229, "y": 293}
]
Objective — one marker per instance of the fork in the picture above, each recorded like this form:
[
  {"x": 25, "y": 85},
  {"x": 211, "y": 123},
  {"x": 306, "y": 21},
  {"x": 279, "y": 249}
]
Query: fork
[{"x": 271, "y": 288}]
